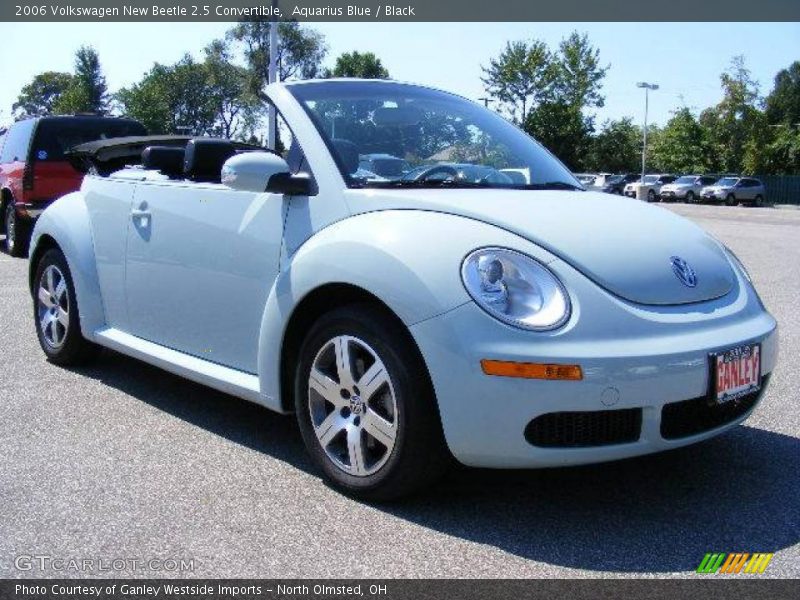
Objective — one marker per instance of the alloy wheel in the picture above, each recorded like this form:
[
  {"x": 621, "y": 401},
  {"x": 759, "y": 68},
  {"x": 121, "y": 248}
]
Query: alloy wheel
[
  {"x": 353, "y": 406},
  {"x": 53, "y": 308},
  {"x": 11, "y": 227}
]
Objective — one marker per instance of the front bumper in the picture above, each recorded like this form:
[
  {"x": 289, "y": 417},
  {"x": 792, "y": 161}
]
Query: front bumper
[{"x": 485, "y": 417}]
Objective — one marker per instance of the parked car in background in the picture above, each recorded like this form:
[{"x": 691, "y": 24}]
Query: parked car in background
[
  {"x": 383, "y": 165},
  {"x": 615, "y": 184},
  {"x": 686, "y": 188},
  {"x": 586, "y": 179},
  {"x": 406, "y": 321},
  {"x": 34, "y": 170},
  {"x": 651, "y": 186},
  {"x": 733, "y": 190}
]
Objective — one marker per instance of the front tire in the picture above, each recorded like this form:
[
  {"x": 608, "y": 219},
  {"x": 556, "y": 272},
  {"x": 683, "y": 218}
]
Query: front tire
[
  {"x": 55, "y": 311},
  {"x": 365, "y": 405},
  {"x": 690, "y": 198},
  {"x": 16, "y": 232},
  {"x": 651, "y": 196},
  {"x": 730, "y": 200}
]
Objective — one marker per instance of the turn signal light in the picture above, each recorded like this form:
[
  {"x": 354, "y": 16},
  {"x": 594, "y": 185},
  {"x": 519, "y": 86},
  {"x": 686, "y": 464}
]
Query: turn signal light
[{"x": 504, "y": 368}]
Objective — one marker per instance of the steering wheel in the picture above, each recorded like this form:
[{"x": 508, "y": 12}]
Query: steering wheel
[{"x": 435, "y": 170}]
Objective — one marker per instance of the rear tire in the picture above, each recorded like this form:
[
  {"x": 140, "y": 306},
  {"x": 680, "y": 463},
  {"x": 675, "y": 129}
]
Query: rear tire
[
  {"x": 730, "y": 200},
  {"x": 55, "y": 312},
  {"x": 16, "y": 232},
  {"x": 373, "y": 441},
  {"x": 759, "y": 201}
]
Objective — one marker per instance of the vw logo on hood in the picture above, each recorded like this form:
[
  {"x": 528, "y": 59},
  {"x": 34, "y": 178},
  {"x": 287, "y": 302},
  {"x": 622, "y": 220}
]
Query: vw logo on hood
[{"x": 683, "y": 271}]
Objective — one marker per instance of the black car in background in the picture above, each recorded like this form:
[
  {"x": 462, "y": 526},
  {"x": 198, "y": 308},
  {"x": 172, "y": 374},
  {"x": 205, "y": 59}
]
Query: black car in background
[{"x": 615, "y": 184}]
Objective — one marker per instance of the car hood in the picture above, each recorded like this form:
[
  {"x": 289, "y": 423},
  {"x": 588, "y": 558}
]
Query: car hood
[{"x": 625, "y": 246}]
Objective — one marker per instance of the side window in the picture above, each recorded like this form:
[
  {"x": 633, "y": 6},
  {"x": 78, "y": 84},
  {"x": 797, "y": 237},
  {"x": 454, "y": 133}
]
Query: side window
[
  {"x": 17, "y": 142},
  {"x": 288, "y": 147}
]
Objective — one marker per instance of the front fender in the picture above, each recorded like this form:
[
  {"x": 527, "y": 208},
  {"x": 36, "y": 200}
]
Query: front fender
[
  {"x": 67, "y": 222},
  {"x": 409, "y": 259}
]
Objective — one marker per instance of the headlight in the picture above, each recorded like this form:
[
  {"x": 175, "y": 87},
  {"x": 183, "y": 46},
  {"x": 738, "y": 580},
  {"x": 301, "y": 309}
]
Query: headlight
[{"x": 515, "y": 289}]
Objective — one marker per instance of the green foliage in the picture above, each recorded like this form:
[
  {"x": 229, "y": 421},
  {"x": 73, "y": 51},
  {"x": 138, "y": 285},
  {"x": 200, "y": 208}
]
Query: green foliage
[
  {"x": 521, "y": 77},
  {"x": 356, "y": 64},
  {"x": 617, "y": 148},
  {"x": 680, "y": 146},
  {"x": 301, "y": 50},
  {"x": 547, "y": 93},
  {"x": 42, "y": 94},
  {"x": 783, "y": 103},
  {"x": 208, "y": 98},
  {"x": 88, "y": 92}
]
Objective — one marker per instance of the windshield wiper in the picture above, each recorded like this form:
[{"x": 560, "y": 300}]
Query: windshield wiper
[
  {"x": 554, "y": 185},
  {"x": 447, "y": 183}
]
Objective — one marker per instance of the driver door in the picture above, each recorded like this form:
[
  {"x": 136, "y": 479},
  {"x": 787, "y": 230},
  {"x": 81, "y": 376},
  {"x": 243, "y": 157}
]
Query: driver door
[{"x": 200, "y": 261}]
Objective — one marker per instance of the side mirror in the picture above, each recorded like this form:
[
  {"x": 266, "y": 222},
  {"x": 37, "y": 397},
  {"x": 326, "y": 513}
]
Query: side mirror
[{"x": 263, "y": 172}]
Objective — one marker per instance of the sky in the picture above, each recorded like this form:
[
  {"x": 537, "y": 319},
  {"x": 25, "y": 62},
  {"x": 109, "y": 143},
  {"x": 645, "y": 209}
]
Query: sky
[{"x": 685, "y": 59}]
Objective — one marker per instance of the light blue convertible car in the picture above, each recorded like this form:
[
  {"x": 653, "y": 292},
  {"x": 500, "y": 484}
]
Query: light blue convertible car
[{"x": 408, "y": 320}]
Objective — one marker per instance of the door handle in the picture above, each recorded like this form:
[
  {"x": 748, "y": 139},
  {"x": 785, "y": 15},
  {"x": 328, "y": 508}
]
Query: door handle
[{"x": 142, "y": 216}]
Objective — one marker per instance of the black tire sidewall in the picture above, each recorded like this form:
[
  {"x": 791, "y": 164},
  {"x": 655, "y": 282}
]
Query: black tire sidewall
[
  {"x": 415, "y": 401},
  {"x": 75, "y": 346}
]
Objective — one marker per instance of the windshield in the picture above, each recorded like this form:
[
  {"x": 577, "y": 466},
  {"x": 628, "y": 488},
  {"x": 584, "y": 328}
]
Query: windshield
[
  {"x": 686, "y": 179},
  {"x": 431, "y": 138},
  {"x": 615, "y": 179},
  {"x": 650, "y": 179},
  {"x": 727, "y": 181}
]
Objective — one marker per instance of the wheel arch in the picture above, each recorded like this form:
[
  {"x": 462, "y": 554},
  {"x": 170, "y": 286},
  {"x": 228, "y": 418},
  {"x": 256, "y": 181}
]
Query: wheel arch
[
  {"x": 316, "y": 303},
  {"x": 66, "y": 225},
  {"x": 408, "y": 262}
]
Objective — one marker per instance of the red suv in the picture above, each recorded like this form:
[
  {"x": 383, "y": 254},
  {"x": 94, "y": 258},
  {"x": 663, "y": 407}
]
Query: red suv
[{"x": 34, "y": 170}]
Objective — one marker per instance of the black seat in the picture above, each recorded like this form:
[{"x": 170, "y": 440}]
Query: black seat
[
  {"x": 204, "y": 158},
  {"x": 166, "y": 159}
]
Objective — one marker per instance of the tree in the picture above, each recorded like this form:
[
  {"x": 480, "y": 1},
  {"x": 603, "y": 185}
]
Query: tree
[
  {"x": 783, "y": 102},
  {"x": 681, "y": 145},
  {"x": 733, "y": 121},
  {"x": 356, "y": 64},
  {"x": 520, "y": 78},
  {"x": 579, "y": 76},
  {"x": 617, "y": 148},
  {"x": 301, "y": 50},
  {"x": 88, "y": 91},
  {"x": 563, "y": 130},
  {"x": 171, "y": 99},
  {"x": 42, "y": 94},
  {"x": 237, "y": 109}
]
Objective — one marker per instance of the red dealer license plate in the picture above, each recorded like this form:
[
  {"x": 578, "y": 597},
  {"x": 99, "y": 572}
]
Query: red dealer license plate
[{"x": 737, "y": 372}]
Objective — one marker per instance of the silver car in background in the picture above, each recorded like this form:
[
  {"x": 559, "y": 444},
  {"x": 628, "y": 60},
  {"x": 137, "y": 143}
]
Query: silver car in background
[
  {"x": 651, "y": 186},
  {"x": 686, "y": 188},
  {"x": 735, "y": 190}
]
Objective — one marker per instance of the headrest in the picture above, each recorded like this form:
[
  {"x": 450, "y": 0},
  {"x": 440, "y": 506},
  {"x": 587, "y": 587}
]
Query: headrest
[
  {"x": 204, "y": 158},
  {"x": 348, "y": 153},
  {"x": 166, "y": 159}
]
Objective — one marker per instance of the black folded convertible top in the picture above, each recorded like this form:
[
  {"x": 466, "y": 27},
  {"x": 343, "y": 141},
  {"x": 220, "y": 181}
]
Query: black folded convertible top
[{"x": 106, "y": 156}]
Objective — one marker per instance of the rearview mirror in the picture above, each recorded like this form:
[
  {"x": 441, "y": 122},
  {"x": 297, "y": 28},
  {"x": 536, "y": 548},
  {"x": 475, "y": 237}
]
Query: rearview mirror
[{"x": 252, "y": 171}]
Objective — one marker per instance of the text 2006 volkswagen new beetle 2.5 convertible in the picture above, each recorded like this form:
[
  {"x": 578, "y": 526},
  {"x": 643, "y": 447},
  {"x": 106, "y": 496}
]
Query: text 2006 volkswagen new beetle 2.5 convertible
[{"x": 456, "y": 295}]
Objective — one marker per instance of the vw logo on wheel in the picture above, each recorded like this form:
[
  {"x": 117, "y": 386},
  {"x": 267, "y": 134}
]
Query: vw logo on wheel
[{"x": 683, "y": 271}]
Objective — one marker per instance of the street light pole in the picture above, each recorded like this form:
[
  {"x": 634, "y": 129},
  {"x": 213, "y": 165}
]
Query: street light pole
[
  {"x": 647, "y": 87},
  {"x": 273, "y": 77}
]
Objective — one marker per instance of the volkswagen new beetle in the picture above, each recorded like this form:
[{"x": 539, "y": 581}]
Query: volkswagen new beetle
[{"x": 443, "y": 310}]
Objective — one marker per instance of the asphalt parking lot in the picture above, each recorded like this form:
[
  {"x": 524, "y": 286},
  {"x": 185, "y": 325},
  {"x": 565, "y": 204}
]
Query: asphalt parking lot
[{"x": 122, "y": 460}]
